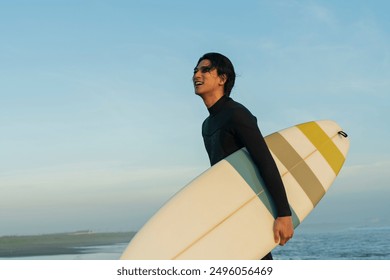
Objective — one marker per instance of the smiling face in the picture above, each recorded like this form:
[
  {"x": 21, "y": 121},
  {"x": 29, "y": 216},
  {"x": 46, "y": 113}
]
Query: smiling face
[{"x": 207, "y": 81}]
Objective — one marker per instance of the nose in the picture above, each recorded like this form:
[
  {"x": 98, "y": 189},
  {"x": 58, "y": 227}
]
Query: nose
[{"x": 196, "y": 74}]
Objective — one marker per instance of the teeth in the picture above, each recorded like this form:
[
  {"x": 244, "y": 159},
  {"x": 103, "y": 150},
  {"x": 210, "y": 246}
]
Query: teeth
[{"x": 198, "y": 83}]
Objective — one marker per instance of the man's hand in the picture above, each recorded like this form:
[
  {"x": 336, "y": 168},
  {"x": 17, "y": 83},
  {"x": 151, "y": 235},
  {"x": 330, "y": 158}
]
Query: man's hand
[{"x": 283, "y": 230}]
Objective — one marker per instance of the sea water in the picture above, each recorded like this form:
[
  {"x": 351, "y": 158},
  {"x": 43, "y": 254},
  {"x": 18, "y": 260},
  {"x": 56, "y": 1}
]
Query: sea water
[{"x": 355, "y": 243}]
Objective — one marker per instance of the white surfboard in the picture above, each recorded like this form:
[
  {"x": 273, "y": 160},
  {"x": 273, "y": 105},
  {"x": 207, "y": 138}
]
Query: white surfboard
[{"x": 227, "y": 213}]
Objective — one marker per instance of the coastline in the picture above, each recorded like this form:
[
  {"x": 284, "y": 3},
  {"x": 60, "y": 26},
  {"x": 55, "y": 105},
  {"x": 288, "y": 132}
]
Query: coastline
[
  {"x": 311, "y": 242},
  {"x": 59, "y": 243}
]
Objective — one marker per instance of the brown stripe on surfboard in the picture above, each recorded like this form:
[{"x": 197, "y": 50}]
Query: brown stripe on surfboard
[{"x": 296, "y": 166}]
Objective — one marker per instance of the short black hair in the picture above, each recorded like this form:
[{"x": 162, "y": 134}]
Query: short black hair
[{"x": 224, "y": 67}]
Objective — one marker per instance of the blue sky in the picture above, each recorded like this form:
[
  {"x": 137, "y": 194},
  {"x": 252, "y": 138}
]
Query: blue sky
[{"x": 100, "y": 124}]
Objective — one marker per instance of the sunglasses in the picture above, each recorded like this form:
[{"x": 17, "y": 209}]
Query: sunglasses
[{"x": 204, "y": 69}]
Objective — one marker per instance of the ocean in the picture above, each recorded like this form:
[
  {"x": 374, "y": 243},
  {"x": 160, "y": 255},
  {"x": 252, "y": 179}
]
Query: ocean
[{"x": 355, "y": 243}]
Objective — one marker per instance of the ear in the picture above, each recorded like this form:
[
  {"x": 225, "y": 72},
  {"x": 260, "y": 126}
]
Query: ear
[{"x": 222, "y": 79}]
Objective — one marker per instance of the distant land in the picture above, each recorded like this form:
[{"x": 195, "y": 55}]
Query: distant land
[{"x": 59, "y": 243}]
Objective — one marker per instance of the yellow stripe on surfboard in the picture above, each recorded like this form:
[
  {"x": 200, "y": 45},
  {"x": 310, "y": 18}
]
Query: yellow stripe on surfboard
[{"x": 323, "y": 144}]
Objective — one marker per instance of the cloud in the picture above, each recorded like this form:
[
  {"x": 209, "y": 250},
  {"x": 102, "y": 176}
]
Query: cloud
[
  {"x": 309, "y": 9},
  {"x": 365, "y": 177},
  {"x": 90, "y": 183},
  {"x": 320, "y": 13},
  {"x": 95, "y": 195}
]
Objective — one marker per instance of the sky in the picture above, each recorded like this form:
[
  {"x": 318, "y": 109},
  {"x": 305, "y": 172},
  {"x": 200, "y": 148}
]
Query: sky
[{"x": 100, "y": 124}]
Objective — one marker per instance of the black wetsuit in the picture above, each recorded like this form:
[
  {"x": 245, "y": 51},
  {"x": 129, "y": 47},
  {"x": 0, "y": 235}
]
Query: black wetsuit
[{"x": 231, "y": 127}]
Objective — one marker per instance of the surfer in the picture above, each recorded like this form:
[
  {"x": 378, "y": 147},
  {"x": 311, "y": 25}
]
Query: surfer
[{"x": 231, "y": 126}]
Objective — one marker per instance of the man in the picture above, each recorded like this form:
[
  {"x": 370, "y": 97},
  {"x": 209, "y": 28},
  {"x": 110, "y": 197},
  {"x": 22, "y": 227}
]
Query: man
[{"x": 230, "y": 127}]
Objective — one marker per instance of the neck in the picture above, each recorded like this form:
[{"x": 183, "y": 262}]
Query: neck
[{"x": 210, "y": 100}]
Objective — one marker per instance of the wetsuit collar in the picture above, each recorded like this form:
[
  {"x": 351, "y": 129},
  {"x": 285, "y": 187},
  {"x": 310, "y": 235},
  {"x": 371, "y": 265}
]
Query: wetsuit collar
[{"x": 218, "y": 105}]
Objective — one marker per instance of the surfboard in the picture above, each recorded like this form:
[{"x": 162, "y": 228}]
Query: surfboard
[{"x": 227, "y": 212}]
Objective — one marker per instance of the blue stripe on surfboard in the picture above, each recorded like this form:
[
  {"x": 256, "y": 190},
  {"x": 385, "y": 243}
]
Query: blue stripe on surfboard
[{"x": 242, "y": 162}]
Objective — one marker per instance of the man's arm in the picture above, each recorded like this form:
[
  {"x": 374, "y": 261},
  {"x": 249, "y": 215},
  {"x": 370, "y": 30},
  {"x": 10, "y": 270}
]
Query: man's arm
[{"x": 249, "y": 133}]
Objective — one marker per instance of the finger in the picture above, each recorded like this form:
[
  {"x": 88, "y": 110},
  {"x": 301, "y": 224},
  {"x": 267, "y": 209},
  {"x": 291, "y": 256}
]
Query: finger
[
  {"x": 277, "y": 236},
  {"x": 284, "y": 240},
  {"x": 277, "y": 233}
]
